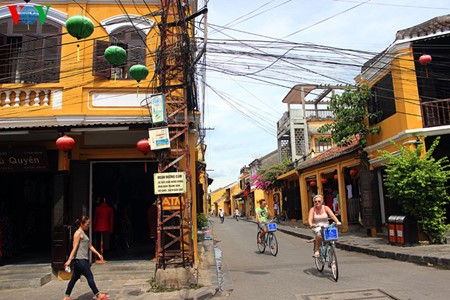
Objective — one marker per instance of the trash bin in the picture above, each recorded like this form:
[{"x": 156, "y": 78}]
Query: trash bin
[
  {"x": 406, "y": 230},
  {"x": 391, "y": 228}
]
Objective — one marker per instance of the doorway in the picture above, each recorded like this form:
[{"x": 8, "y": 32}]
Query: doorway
[{"x": 128, "y": 190}]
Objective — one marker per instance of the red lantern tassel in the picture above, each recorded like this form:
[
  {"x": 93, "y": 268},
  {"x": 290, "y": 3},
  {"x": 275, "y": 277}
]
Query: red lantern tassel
[
  {"x": 65, "y": 161},
  {"x": 145, "y": 164}
]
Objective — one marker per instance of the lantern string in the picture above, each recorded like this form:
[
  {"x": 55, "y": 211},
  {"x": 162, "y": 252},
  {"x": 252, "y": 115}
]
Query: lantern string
[
  {"x": 78, "y": 52},
  {"x": 137, "y": 91},
  {"x": 145, "y": 164}
]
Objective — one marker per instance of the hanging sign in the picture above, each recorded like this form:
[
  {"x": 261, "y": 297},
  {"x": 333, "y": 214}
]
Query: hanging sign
[
  {"x": 172, "y": 203},
  {"x": 169, "y": 183},
  {"x": 158, "y": 104},
  {"x": 28, "y": 13},
  {"x": 159, "y": 138},
  {"x": 23, "y": 160}
]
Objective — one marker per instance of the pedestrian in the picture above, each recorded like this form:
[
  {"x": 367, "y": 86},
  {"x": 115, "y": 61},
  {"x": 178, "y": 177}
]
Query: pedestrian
[
  {"x": 79, "y": 258},
  {"x": 221, "y": 215}
]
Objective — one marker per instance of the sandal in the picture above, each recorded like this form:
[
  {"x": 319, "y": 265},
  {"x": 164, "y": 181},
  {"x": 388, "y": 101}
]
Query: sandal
[
  {"x": 317, "y": 254},
  {"x": 102, "y": 296}
]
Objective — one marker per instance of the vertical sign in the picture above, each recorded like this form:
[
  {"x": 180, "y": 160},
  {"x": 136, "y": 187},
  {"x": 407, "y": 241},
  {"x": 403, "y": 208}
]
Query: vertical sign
[{"x": 158, "y": 103}]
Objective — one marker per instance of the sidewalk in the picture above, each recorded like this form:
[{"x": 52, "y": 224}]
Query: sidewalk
[{"x": 357, "y": 240}]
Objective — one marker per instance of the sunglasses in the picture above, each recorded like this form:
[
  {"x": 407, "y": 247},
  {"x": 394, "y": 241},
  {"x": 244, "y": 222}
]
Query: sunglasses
[{"x": 317, "y": 201}]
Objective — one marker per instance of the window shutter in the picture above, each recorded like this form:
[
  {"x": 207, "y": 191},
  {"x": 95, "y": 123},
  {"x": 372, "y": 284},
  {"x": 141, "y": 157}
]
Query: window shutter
[
  {"x": 100, "y": 66},
  {"x": 31, "y": 59},
  {"x": 5, "y": 60},
  {"x": 136, "y": 55},
  {"x": 52, "y": 61}
]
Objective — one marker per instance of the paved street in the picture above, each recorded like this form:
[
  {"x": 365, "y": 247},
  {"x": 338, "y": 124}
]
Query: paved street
[{"x": 247, "y": 274}]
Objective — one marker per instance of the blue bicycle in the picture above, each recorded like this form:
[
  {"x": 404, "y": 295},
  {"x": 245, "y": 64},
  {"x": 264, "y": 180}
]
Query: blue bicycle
[
  {"x": 328, "y": 250},
  {"x": 270, "y": 240}
]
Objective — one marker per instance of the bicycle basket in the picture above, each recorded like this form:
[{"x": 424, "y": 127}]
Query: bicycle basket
[
  {"x": 330, "y": 234},
  {"x": 272, "y": 227}
]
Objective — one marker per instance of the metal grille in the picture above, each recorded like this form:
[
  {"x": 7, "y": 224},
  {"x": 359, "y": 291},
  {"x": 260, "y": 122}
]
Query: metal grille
[{"x": 285, "y": 147}]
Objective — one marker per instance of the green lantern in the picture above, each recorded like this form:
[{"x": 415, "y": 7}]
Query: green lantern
[
  {"x": 115, "y": 55},
  {"x": 138, "y": 72},
  {"x": 79, "y": 26}
]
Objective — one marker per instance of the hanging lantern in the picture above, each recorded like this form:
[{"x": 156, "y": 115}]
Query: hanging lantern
[
  {"x": 138, "y": 72},
  {"x": 424, "y": 60},
  {"x": 79, "y": 27},
  {"x": 116, "y": 56},
  {"x": 144, "y": 147},
  {"x": 65, "y": 143},
  {"x": 312, "y": 183},
  {"x": 353, "y": 172},
  {"x": 335, "y": 177},
  {"x": 324, "y": 180}
]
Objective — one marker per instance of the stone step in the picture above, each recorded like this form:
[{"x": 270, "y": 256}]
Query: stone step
[
  {"x": 24, "y": 276},
  {"x": 129, "y": 270}
]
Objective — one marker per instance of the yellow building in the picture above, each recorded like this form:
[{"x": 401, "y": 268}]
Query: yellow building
[{"x": 53, "y": 84}]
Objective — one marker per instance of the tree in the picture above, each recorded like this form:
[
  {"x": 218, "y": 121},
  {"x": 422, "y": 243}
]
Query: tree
[
  {"x": 350, "y": 111},
  {"x": 266, "y": 179},
  {"x": 418, "y": 182}
]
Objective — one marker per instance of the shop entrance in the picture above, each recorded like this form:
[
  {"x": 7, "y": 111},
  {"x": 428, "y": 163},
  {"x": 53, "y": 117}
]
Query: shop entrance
[
  {"x": 126, "y": 190},
  {"x": 25, "y": 218}
]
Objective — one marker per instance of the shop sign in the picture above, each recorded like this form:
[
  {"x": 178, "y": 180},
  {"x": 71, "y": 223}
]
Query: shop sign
[
  {"x": 169, "y": 183},
  {"x": 159, "y": 138},
  {"x": 172, "y": 203},
  {"x": 27, "y": 160},
  {"x": 28, "y": 13}
]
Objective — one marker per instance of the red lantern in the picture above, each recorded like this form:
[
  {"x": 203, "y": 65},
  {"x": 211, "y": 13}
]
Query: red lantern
[
  {"x": 353, "y": 172},
  {"x": 65, "y": 143},
  {"x": 335, "y": 177},
  {"x": 312, "y": 183},
  {"x": 425, "y": 59},
  {"x": 324, "y": 180},
  {"x": 144, "y": 147}
]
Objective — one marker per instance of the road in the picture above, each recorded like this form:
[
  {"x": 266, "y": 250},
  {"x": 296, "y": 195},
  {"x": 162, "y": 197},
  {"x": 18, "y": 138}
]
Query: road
[{"x": 293, "y": 275}]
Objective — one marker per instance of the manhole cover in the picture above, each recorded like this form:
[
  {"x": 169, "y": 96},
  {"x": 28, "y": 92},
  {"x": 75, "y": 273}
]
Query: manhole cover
[{"x": 349, "y": 295}]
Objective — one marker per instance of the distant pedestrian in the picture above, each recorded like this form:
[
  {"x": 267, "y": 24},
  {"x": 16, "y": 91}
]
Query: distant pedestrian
[
  {"x": 79, "y": 258},
  {"x": 221, "y": 215}
]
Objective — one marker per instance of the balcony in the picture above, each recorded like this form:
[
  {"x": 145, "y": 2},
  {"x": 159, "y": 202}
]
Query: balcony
[
  {"x": 436, "y": 113},
  {"x": 25, "y": 97}
]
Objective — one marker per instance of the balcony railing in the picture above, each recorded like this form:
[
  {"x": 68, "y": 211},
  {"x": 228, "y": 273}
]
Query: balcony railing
[
  {"x": 24, "y": 97},
  {"x": 436, "y": 113}
]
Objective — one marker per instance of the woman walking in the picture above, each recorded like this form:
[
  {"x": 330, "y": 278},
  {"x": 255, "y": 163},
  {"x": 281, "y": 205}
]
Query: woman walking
[{"x": 79, "y": 256}]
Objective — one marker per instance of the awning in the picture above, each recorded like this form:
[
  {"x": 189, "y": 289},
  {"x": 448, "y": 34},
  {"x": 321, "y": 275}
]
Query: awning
[{"x": 292, "y": 174}]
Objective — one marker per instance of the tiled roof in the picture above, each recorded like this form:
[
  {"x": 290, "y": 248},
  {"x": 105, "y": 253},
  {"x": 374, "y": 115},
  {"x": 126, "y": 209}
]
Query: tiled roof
[
  {"x": 333, "y": 153},
  {"x": 433, "y": 26}
]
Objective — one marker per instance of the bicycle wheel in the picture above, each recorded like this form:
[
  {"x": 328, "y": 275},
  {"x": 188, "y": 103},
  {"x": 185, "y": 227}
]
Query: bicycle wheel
[
  {"x": 318, "y": 261},
  {"x": 334, "y": 262},
  {"x": 262, "y": 245},
  {"x": 273, "y": 243}
]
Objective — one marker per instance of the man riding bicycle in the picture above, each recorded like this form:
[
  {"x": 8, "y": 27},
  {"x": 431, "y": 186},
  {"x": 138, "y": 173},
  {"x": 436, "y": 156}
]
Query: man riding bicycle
[{"x": 262, "y": 215}]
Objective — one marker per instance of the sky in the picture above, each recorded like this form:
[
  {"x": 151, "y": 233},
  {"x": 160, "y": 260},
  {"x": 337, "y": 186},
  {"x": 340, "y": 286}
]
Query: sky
[{"x": 258, "y": 50}]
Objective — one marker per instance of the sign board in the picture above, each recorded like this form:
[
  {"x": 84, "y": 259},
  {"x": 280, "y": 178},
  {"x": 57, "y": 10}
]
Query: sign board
[
  {"x": 23, "y": 160},
  {"x": 172, "y": 203},
  {"x": 169, "y": 183},
  {"x": 159, "y": 138},
  {"x": 158, "y": 103}
]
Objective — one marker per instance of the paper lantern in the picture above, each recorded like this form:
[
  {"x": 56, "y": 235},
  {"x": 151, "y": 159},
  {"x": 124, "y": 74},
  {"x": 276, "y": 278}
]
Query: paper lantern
[
  {"x": 65, "y": 143},
  {"x": 144, "y": 147},
  {"x": 335, "y": 177},
  {"x": 425, "y": 59},
  {"x": 312, "y": 183},
  {"x": 79, "y": 27},
  {"x": 353, "y": 172},
  {"x": 138, "y": 72},
  {"x": 115, "y": 55},
  {"x": 324, "y": 180}
]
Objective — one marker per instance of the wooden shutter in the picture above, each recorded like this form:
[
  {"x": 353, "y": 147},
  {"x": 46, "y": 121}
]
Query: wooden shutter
[
  {"x": 52, "y": 62},
  {"x": 136, "y": 55},
  {"x": 5, "y": 61},
  {"x": 31, "y": 64},
  {"x": 100, "y": 66}
]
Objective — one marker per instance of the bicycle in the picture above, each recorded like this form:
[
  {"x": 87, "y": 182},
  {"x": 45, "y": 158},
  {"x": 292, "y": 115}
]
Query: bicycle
[
  {"x": 328, "y": 250},
  {"x": 270, "y": 240}
]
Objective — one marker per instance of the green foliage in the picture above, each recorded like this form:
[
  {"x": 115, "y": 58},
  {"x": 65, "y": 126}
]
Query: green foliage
[
  {"x": 418, "y": 182},
  {"x": 266, "y": 179},
  {"x": 350, "y": 110},
  {"x": 202, "y": 220}
]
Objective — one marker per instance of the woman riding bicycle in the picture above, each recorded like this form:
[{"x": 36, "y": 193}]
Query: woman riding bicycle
[
  {"x": 318, "y": 217},
  {"x": 262, "y": 215}
]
